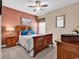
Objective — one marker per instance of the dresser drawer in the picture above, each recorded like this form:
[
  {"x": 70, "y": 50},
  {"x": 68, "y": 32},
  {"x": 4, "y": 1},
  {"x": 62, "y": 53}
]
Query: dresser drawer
[{"x": 11, "y": 41}]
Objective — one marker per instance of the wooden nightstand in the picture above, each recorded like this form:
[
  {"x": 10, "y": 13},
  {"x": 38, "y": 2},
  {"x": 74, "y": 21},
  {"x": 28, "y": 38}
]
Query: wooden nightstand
[{"x": 10, "y": 41}]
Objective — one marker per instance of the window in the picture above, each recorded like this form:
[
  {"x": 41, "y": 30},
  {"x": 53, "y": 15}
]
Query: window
[{"x": 42, "y": 27}]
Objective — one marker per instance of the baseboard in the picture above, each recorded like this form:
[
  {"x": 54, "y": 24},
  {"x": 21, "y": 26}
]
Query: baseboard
[{"x": 3, "y": 46}]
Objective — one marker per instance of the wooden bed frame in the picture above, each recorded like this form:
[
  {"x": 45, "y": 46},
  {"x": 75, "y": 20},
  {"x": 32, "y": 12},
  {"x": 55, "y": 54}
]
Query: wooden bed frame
[{"x": 40, "y": 42}]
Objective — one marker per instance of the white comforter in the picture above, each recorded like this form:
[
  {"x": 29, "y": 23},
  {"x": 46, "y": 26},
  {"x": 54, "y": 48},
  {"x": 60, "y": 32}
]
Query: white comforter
[{"x": 27, "y": 42}]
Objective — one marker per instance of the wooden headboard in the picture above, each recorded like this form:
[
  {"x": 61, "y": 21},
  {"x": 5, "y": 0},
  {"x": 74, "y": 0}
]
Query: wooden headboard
[{"x": 19, "y": 28}]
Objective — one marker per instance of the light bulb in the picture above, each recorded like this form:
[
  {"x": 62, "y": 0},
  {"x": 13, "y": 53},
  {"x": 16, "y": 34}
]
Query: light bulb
[{"x": 38, "y": 8}]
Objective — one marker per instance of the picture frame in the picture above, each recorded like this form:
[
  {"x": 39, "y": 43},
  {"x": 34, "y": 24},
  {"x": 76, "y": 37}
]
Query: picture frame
[
  {"x": 26, "y": 21},
  {"x": 60, "y": 21}
]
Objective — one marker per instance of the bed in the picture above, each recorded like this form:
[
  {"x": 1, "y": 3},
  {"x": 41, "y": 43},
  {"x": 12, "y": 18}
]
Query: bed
[{"x": 33, "y": 43}]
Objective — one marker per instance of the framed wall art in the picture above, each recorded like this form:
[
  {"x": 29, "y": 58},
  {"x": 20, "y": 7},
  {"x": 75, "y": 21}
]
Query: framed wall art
[
  {"x": 60, "y": 21},
  {"x": 26, "y": 21}
]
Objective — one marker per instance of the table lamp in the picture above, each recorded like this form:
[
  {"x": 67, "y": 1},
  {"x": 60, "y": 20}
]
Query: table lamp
[{"x": 10, "y": 30}]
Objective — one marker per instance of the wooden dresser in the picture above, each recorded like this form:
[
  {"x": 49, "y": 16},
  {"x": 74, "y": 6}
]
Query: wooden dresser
[
  {"x": 10, "y": 41},
  {"x": 68, "y": 48},
  {"x": 70, "y": 38}
]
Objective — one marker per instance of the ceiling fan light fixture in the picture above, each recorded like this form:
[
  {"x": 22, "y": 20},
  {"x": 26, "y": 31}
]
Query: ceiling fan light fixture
[
  {"x": 38, "y": 3},
  {"x": 38, "y": 8}
]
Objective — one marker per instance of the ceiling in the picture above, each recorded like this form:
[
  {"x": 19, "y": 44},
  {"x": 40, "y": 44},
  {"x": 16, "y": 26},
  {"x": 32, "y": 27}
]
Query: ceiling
[{"x": 22, "y": 5}]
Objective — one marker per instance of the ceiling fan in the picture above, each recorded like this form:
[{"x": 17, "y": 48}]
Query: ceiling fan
[{"x": 38, "y": 6}]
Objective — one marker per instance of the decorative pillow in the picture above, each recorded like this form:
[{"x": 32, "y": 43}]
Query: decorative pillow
[
  {"x": 24, "y": 32},
  {"x": 31, "y": 32}
]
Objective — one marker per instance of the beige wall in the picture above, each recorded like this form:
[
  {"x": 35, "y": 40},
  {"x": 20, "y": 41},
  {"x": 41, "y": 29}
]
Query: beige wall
[{"x": 71, "y": 20}]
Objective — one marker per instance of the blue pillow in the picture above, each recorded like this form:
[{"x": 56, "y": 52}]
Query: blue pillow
[
  {"x": 31, "y": 32},
  {"x": 24, "y": 32}
]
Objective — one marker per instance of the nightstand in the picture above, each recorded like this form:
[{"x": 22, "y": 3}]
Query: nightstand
[{"x": 10, "y": 41}]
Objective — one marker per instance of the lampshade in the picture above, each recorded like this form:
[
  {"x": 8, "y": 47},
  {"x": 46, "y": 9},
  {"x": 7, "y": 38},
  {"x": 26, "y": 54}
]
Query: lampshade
[{"x": 10, "y": 28}]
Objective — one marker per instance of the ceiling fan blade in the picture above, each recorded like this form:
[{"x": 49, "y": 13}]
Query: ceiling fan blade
[
  {"x": 44, "y": 5},
  {"x": 31, "y": 6},
  {"x": 34, "y": 10}
]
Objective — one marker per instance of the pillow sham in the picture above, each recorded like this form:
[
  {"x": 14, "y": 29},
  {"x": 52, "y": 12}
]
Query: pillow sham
[
  {"x": 31, "y": 32},
  {"x": 24, "y": 32}
]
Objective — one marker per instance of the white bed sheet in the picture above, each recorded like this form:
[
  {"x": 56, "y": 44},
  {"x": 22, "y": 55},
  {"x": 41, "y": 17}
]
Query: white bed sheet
[{"x": 27, "y": 42}]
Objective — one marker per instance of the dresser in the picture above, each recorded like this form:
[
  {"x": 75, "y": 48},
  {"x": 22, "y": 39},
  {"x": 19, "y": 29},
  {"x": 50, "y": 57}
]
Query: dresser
[
  {"x": 70, "y": 38},
  {"x": 67, "y": 50},
  {"x": 10, "y": 41}
]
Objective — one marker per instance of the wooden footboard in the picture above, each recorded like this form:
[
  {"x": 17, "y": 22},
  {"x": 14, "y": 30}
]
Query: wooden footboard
[{"x": 41, "y": 42}]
